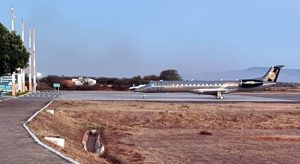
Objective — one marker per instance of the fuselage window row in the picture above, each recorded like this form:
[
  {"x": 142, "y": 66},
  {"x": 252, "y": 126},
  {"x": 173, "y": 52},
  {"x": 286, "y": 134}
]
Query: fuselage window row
[{"x": 194, "y": 85}]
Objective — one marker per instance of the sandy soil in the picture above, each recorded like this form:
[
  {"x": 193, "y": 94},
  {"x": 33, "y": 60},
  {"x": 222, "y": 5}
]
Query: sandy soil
[{"x": 148, "y": 132}]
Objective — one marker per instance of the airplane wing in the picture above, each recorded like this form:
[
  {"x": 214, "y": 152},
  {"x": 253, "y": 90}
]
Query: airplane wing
[{"x": 211, "y": 91}]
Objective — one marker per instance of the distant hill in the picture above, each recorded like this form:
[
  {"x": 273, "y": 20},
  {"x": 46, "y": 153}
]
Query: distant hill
[{"x": 286, "y": 75}]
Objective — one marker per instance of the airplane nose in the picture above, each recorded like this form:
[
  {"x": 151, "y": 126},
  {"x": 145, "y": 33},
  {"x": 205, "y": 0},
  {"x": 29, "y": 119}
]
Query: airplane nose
[
  {"x": 137, "y": 90},
  {"x": 142, "y": 89}
]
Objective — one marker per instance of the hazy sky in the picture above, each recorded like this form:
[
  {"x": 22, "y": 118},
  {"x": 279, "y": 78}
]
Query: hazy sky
[{"x": 139, "y": 37}]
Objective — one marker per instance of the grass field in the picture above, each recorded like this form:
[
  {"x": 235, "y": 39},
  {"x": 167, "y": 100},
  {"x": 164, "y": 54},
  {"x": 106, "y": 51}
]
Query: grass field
[{"x": 149, "y": 132}]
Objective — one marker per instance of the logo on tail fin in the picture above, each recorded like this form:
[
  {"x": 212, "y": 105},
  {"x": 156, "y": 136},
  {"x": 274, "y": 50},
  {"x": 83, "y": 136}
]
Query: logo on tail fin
[{"x": 272, "y": 74}]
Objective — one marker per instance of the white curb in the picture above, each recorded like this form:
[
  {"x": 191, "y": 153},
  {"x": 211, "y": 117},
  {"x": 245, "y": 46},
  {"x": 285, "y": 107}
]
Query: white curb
[{"x": 42, "y": 144}]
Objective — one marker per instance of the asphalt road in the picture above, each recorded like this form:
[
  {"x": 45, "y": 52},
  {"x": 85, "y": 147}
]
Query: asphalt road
[
  {"x": 16, "y": 145},
  {"x": 2, "y": 98},
  {"x": 184, "y": 97}
]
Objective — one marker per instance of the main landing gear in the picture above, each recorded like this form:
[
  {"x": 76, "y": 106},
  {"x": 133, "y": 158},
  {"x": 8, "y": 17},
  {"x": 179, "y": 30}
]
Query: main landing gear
[{"x": 219, "y": 96}]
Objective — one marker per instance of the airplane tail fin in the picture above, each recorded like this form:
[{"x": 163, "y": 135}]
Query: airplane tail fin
[{"x": 272, "y": 74}]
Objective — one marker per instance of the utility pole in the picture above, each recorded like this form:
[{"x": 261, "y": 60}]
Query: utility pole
[
  {"x": 23, "y": 70},
  {"x": 30, "y": 59},
  {"x": 12, "y": 20},
  {"x": 34, "y": 57}
]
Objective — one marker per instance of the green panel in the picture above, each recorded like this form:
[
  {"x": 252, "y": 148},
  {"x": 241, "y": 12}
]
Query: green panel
[
  {"x": 2, "y": 87},
  {"x": 5, "y": 87},
  {"x": 56, "y": 85}
]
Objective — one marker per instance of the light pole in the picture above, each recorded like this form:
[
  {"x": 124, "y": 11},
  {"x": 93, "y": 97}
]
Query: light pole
[
  {"x": 34, "y": 56},
  {"x": 30, "y": 59},
  {"x": 23, "y": 70},
  {"x": 12, "y": 21}
]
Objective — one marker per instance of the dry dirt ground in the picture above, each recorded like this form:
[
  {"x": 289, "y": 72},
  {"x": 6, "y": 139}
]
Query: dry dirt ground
[
  {"x": 149, "y": 132},
  {"x": 293, "y": 89}
]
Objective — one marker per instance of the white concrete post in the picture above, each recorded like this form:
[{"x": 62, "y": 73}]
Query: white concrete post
[
  {"x": 23, "y": 70},
  {"x": 13, "y": 75},
  {"x": 34, "y": 58},
  {"x": 30, "y": 60}
]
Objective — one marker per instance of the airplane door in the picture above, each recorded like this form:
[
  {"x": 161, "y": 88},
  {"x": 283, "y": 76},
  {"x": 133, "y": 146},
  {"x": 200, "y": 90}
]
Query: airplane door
[{"x": 159, "y": 86}]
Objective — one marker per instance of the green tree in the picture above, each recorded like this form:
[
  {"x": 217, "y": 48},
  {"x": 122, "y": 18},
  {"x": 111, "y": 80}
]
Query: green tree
[
  {"x": 13, "y": 53},
  {"x": 4, "y": 46},
  {"x": 136, "y": 80},
  {"x": 170, "y": 74},
  {"x": 148, "y": 78}
]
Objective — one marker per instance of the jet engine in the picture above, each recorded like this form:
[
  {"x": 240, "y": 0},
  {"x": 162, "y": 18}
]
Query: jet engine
[{"x": 250, "y": 83}]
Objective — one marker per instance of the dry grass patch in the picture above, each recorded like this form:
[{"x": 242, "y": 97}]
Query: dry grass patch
[{"x": 119, "y": 120}]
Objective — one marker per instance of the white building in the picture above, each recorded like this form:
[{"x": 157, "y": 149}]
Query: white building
[{"x": 84, "y": 81}]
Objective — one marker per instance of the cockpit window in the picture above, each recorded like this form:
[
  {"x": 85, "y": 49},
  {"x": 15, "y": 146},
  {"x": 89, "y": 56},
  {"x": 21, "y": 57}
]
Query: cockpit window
[
  {"x": 149, "y": 84},
  {"x": 152, "y": 84}
]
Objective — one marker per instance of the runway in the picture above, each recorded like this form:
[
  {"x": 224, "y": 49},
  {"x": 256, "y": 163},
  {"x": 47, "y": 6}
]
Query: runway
[{"x": 178, "y": 97}]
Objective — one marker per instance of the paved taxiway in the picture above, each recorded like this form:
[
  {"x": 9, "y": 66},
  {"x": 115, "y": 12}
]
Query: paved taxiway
[
  {"x": 16, "y": 144},
  {"x": 2, "y": 98},
  {"x": 184, "y": 97}
]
